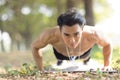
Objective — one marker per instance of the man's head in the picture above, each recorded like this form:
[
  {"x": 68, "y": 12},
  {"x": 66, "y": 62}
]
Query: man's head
[
  {"x": 71, "y": 24},
  {"x": 70, "y": 17}
]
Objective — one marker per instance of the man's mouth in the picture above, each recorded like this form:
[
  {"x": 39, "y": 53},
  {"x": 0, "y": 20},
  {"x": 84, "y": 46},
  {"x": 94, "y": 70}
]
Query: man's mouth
[{"x": 72, "y": 45}]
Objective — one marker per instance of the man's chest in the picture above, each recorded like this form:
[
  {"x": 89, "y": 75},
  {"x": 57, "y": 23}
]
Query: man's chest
[{"x": 79, "y": 50}]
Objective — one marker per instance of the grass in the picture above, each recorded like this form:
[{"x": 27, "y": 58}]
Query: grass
[
  {"x": 21, "y": 66},
  {"x": 30, "y": 72}
]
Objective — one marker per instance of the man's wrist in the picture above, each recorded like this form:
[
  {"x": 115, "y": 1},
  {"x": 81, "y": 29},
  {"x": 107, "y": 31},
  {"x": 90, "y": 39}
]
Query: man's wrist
[{"x": 107, "y": 63}]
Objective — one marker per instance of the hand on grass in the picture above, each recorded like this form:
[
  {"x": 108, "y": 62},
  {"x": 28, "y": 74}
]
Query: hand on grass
[{"x": 107, "y": 68}]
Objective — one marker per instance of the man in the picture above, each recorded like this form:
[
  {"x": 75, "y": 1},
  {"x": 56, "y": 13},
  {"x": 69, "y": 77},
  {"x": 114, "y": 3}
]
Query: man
[{"x": 71, "y": 39}]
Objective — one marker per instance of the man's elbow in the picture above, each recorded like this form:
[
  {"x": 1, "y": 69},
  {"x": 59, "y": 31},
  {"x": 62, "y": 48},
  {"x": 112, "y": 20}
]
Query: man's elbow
[
  {"x": 34, "y": 48},
  {"x": 107, "y": 49},
  {"x": 109, "y": 46}
]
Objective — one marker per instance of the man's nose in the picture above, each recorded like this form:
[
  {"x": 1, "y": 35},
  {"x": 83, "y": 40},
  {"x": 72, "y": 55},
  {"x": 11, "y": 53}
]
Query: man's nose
[{"x": 72, "y": 40}]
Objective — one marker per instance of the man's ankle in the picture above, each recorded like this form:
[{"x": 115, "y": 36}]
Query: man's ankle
[{"x": 59, "y": 62}]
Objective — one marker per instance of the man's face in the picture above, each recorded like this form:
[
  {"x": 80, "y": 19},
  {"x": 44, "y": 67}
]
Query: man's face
[{"x": 71, "y": 35}]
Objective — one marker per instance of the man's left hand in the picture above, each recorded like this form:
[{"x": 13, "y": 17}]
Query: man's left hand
[{"x": 107, "y": 68}]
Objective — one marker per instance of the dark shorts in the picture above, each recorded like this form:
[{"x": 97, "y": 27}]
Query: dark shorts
[{"x": 62, "y": 57}]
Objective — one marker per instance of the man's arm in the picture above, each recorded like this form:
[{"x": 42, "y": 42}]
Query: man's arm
[
  {"x": 107, "y": 53},
  {"x": 103, "y": 41},
  {"x": 47, "y": 37},
  {"x": 39, "y": 43},
  {"x": 37, "y": 54}
]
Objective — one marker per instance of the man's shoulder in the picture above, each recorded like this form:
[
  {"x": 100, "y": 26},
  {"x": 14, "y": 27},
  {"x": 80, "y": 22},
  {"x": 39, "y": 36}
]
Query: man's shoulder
[
  {"x": 51, "y": 30},
  {"x": 51, "y": 33},
  {"x": 92, "y": 31},
  {"x": 89, "y": 29}
]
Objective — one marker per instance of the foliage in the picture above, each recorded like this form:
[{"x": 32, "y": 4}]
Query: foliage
[
  {"x": 30, "y": 25},
  {"x": 25, "y": 69},
  {"x": 116, "y": 58},
  {"x": 96, "y": 52},
  {"x": 27, "y": 26},
  {"x": 116, "y": 64},
  {"x": 102, "y": 12},
  {"x": 28, "y": 71},
  {"x": 97, "y": 55}
]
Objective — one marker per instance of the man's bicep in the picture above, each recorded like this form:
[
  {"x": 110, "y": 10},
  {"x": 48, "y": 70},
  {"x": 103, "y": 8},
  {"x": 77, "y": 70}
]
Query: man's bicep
[
  {"x": 38, "y": 44},
  {"x": 47, "y": 37},
  {"x": 41, "y": 41}
]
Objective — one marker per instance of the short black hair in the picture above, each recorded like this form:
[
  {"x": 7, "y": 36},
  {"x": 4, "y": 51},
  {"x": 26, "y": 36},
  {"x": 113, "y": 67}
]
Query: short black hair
[{"x": 70, "y": 17}]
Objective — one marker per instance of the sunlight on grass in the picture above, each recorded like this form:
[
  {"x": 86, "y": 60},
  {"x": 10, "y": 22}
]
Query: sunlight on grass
[
  {"x": 48, "y": 56},
  {"x": 28, "y": 70}
]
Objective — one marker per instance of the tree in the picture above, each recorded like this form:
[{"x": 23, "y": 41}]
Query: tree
[
  {"x": 88, "y": 7},
  {"x": 21, "y": 27},
  {"x": 24, "y": 27},
  {"x": 70, "y": 4},
  {"x": 1, "y": 42},
  {"x": 89, "y": 12},
  {"x": 73, "y": 3}
]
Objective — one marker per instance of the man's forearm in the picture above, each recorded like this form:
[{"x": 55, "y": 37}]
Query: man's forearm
[
  {"x": 38, "y": 58},
  {"x": 107, "y": 53}
]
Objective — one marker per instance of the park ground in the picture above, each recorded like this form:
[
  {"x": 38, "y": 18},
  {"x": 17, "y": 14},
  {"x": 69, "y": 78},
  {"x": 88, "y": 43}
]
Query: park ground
[{"x": 19, "y": 65}]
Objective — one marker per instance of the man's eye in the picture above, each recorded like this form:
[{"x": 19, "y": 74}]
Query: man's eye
[
  {"x": 66, "y": 34},
  {"x": 76, "y": 34}
]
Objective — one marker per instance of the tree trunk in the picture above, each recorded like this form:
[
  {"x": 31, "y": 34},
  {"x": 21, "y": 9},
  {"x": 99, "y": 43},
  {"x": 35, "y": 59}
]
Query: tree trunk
[
  {"x": 1, "y": 42},
  {"x": 27, "y": 41},
  {"x": 89, "y": 12},
  {"x": 59, "y": 6},
  {"x": 27, "y": 37},
  {"x": 2, "y": 46},
  {"x": 70, "y": 4}
]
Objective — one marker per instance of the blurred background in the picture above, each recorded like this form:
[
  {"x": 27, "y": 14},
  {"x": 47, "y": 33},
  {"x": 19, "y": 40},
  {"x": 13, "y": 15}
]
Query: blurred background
[{"x": 21, "y": 21}]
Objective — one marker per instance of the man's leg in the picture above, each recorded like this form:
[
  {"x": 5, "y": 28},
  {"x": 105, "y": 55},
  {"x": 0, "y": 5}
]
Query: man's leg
[
  {"x": 59, "y": 62},
  {"x": 86, "y": 60},
  {"x": 85, "y": 56}
]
